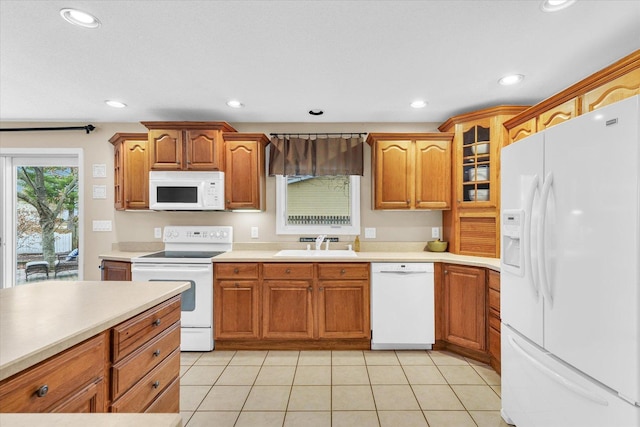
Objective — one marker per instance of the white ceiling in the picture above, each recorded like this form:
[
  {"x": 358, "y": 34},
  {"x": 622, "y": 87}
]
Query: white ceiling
[{"x": 359, "y": 61}]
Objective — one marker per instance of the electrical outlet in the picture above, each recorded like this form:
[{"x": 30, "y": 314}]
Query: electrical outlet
[
  {"x": 435, "y": 232},
  {"x": 157, "y": 232},
  {"x": 254, "y": 232},
  {"x": 370, "y": 233}
]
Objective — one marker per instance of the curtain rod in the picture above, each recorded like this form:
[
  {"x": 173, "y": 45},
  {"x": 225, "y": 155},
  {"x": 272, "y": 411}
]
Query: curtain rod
[
  {"x": 318, "y": 133},
  {"x": 87, "y": 128}
]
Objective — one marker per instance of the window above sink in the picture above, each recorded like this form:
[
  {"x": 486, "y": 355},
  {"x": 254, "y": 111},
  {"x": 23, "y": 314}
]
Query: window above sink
[{"x": 318, "y": 205}]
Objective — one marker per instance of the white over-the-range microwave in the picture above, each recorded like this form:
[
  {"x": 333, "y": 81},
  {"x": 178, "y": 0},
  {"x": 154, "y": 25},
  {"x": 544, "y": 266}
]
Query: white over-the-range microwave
[{"x": 186, "y": 191}]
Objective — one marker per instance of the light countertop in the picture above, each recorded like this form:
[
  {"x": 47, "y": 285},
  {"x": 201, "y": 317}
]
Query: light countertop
[
  {"x": 378, "y": 256},
  {"x": 42, "y": 319}
]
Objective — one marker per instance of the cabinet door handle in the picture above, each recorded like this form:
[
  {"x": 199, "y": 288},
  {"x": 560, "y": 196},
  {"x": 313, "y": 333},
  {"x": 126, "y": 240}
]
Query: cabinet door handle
[
  {"x": 156, "y": 384},
  {"x": 310, "y": 288},
  {"x": 418, "y": 201},
  {"x": 321, "y": 289},
  {"x": 42, "y": 391},
  {"x": 156, "y": 353},
  {"x": 156, "y": 322},
  {"x": 408, "y": 201}
]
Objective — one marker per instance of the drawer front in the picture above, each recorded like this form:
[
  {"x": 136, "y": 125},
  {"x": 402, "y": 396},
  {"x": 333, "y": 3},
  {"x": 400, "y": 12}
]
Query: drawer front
[
  {"x": 494, "y": 322},
  {"x": 128, "y": 371},
  {"x": 244, "y": 270},
  {"x": 287, "y": 271},
  {"x": 168, "y": 401},
  {"x": 135, "y": 332},
  {"x": 494, "y": 280},
  {"x": 343, "y": 271},
  {"x": 494, "y": 343},
  {"x": 494, "y": 300},
  {"x": 138, "y": 398},
  {"x": 51, "y": 382}
]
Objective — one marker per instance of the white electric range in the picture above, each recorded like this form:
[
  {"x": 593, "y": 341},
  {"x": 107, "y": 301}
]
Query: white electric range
[{"x": 187, "y": 258}]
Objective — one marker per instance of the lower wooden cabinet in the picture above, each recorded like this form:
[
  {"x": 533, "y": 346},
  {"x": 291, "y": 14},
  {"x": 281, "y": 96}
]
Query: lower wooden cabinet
[
  {"x": 287, "y": 301},
  {"x": 464, "y": 307},
  {"x": 301, "y": 305},
  {"x": 467, "y": 315},
  {"x": 68, "y": 382},
  {"x": 343, "y": 301},
  {"x": 133, "y": 367},
  {"x": 236, "y": 301},
  {"x": 115, "y": 270},
  {"x": 145, "y": 353}
]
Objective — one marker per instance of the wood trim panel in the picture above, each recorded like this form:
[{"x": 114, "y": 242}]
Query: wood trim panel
[
  {"x": 619, "y": 68},
  {"x": 559, "y": 114},
  {"x": 220, "y": 126},
  {"x": 616, "y": 90}
]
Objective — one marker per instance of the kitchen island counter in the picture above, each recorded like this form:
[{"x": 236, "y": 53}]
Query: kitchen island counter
[{"x": 42, "y": 319}]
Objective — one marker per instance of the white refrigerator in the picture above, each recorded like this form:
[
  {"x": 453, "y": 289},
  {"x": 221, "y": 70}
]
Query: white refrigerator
[{"x": 570, "y": 281}]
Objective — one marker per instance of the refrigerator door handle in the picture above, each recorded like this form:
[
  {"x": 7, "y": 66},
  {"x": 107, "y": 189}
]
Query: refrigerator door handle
[
  {"x": 542, "y": 262},
  {"x": 553, "y": 375},
  {"x": 531, "y": 194}
]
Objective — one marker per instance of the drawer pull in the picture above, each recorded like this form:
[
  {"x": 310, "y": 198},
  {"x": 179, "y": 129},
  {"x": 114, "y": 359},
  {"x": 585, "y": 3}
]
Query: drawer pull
[
  {"x": 156, "y": 322},
  {"x": 156, "y": 384},
  {"x": 288, "y": 270},
  {"x": 156, "y": 353},
  {"x": 42, "y": 391},
  {"x": 343, "y": 271},
  {"x": 236, "y": 271},
  {"x": 236, "y": 284}
]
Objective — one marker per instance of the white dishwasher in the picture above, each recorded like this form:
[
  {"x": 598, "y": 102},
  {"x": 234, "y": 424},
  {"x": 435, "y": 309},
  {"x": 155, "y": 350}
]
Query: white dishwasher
[{"x": 402, "y": 306}]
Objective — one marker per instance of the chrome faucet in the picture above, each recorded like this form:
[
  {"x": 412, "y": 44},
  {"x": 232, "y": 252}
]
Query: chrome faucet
[{"x": 319, "y": 240}]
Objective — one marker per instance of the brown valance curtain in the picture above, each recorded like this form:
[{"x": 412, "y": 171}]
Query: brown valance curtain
[{"x": 316, "y": 155}]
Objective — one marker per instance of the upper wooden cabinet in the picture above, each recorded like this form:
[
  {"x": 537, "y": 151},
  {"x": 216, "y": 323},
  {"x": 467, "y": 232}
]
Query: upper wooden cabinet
[
  {"x": 196, "y": 146},
  {"x": 244, "y": 170},
  {"x": 471, "y": 226},
  {"x": 411, "y": 171},
  {"x": 131, "y": 171},
  {"x": 614, "y": 83}
]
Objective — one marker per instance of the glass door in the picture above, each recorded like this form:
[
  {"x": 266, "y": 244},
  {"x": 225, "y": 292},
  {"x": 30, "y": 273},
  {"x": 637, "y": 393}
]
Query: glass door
[
  {"x": 40, "y": 226},
  {"x": 476, "y": 157}
]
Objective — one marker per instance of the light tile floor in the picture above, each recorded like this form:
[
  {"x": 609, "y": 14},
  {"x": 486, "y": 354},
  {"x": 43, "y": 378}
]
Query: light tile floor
[{"x": 337, "y": 388}]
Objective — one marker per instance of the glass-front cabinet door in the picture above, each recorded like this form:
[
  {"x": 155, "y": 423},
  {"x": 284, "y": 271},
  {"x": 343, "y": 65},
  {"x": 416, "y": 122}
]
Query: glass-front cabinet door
[{"x": 476, "y": 164}]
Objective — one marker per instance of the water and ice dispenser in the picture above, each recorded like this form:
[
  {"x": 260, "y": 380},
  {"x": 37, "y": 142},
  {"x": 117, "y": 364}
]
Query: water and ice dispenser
[{"x": 512, "y": 241}]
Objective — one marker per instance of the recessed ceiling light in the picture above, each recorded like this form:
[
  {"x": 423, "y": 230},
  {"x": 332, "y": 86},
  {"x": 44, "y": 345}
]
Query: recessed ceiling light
[
  {"x": 419, "y": 104},
  {"x": 555, "y": 5},
  {"x": 235, "y": 104},
  {"x": 511, "y": 79},
  {"x": 80, "y": 18},
  {"x": 115, "y": 104},
  {"x": 316, "y": 112}
]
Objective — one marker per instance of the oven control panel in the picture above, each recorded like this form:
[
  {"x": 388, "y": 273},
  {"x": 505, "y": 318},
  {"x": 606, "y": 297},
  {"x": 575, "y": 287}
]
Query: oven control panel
[{"x": 198, "y": 234}]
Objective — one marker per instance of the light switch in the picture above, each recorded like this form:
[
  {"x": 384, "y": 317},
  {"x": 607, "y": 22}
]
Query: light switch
[
  {"x": 99, "y": 171},
  {"x": 370, "y": 233},
  {"x": 99, "y": 191},
  {"x": 102, "y": 225}
]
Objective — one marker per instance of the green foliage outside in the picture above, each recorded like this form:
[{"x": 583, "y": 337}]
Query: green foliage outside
[{"x": 51, "y": 191}]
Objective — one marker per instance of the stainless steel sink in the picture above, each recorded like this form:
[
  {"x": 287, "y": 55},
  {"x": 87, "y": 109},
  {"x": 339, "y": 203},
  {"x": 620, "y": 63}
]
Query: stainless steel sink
[{"x": 322, "y": 253}]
